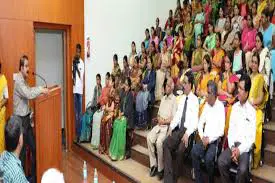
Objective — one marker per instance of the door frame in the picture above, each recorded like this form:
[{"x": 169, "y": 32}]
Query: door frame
[{"x": 68, "y": 99}]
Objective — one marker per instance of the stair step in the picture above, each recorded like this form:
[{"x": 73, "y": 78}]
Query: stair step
[
  {"x": 264, "y": 173},
  {"x": 269, "y": 134},
  {"x": 141, "y": 155},
  {"x": 269, "y": 155},
  {"x": 140, "y": 137}
]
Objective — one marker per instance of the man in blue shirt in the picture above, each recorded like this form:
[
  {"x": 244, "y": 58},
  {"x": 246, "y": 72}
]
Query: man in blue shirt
[{"x": 10, "y": 164}]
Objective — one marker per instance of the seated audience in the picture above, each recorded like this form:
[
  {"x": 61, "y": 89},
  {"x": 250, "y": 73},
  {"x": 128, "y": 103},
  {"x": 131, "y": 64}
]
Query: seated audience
[
  {"x": 107, "y": 120},
  {"x": 184, "y": 123},
  {"x": 133, "y": 54},
  {"x": 218, "y": 54},
  {"x": 177, "y": 53},
  {"x": 220, "y": 22},
  {"x": 126, "y": 69},
  {"x": 135, "y": 74},
  {"x": 236, "y": 21},
  {"x": 116, "y": 68},
  {"x": 118, "y": 141},
  {"x": 143, "y": 58},
  {"x": 127, "y": 109},
  {"x": 97, "y": 91},
  {"x": 154, "y": 37},
  {"x": 147, "y": 39},
  {"x": 188, "y": 33},
  {"x": 204, "y": 77},
  {"x": 210, "y": 128},
  {"x": 228, "y": 36},
  {"x": 239, "y": 65},
  {"x": 197, "y": 58},
  {"x": 170, "y": 21},
  {"x": 199, "y": 21},
  {"x": 210, "y": 40},
  {"x": 165, "y": 63},
  {"x": 103, "y": 99},
  {"x": 268, "y": 29},
  {"x": 97, "y": 117},
  {"x": 154, "y": 55},
  {"x": 258, "y": 97},
  {"x": 227, "y": 88},
  {"x": 265, "y": 61},
  {"x": 157, "y": 135},
  {"x": 241, "y": 135},
  {"x": 249, "y": 40},
  {"x": 10, "y": 163}
]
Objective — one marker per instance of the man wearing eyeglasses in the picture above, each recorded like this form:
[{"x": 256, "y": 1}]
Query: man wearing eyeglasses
[
  {"x": 211, "y": 128},
  {"x": 181, "y": 127}
]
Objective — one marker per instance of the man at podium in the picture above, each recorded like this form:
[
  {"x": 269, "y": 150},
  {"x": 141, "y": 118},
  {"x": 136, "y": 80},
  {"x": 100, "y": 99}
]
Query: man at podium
[{"x": 21, "y": 96}]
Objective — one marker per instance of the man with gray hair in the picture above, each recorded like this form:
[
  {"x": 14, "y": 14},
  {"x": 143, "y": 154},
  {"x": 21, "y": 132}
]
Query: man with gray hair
[
  {"x": 156, "y": 136},
  {"x": 211, "y": 128}
]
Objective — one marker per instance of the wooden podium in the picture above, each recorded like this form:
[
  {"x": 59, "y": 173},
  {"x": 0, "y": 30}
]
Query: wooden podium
[{"x": 47, "y": 119}]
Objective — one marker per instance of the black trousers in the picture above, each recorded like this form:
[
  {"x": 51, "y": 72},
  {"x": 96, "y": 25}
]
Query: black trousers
[
  {"x": 208, "y": 154},
  {"x": 173, "y": 145},
  {"x": 224, "y": 163},
  {"x": 28, "y": 139}
]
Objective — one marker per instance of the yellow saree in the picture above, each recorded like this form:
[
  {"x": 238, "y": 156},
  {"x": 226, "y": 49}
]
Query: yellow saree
[
  {"x": 258, "y": 86},
  {"x": 3, "y": 84}
]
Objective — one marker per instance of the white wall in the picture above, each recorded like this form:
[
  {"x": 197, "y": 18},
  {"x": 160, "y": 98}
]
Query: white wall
[{"x": 112, "y": 25}]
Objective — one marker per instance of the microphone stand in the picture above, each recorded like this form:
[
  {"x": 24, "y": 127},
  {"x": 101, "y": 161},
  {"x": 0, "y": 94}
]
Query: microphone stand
[{"x": 35, "y": 74}]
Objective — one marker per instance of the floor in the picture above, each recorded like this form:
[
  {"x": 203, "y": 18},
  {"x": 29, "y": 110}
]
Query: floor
[
  {"x": 72, "y": 169},
  {"x": 130, "y": 167}
]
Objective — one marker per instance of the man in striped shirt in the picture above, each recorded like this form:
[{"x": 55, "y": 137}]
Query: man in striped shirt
[{"x": 10, "y": 164}]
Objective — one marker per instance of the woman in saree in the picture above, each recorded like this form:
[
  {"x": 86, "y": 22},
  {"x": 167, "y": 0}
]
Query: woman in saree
[
  {"x": 133, "y": 54},
  {"x": 249, "y": 40},
  {"x": 239, "y": 64},
  {"x": 218, "y": 54},
  {"x": 126, "y": 69},
  {"x": 199, "y": 21},
  {"x": 228, "y": 36},
  {"x": 135, "y": 74},
  {"x": 177, "y": 53},
  {"x": 97, "y": 117},
  {"x": 165, "y": 62},
  {"x": 265, "y": 61},
  {"x": 107, "y": 120},
  {"x": 154, "y": 37},
  {"x": 127, "y": 109},
  {"x": 227, "y": 90},
  {"x": 205, "y": 76},
  {"x": 116, "y": 68},
  {"x": 188, "y": 33},
  {"x": 118, "y": 141},
  {"x": 220, "y": 22},
  {"x": 147, "y": 39},
  {"x": 103, "y": 99},
  {"x": 210, "y": 40},
  {"x": 197, "y": 57},
  {"x": 143, "y": 58},
  {"x": 4, "y": 95},
  {"x": 154, "y": 55},
  {"x": 255, "y": 16},
  {"x": 258, "y": 97}
]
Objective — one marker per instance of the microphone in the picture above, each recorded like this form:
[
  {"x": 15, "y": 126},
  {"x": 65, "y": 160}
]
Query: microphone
[{"x": 35, "y": 74}]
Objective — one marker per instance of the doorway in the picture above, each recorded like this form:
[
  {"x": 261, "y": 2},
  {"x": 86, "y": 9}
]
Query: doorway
[{"x": 50, "y": 66}]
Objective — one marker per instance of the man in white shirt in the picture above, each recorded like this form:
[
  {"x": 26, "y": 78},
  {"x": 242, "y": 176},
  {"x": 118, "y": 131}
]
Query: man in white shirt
[
  {"x": 211, "y": 128},
  {"x": 181, "y": 127},
  {"x": 241, "y": 135},
  {"x": 167, "y": 110},
  {"x": 78, "y": 75}
]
